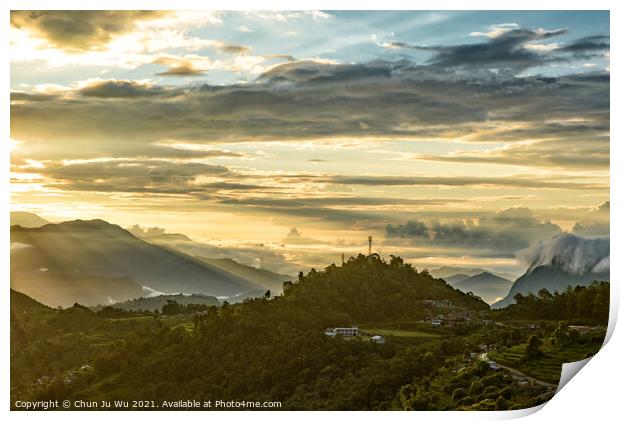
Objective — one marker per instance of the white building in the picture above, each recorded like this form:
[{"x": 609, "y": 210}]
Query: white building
[
  {"x": 378, "y": 339},
  {"x": 343, "y": 331}
]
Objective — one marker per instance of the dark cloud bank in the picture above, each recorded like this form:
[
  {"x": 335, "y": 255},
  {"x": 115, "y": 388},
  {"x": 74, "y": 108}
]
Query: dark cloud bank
[
  {"x": 506, "y": 232},
  {"x": 458, "y": 90}
]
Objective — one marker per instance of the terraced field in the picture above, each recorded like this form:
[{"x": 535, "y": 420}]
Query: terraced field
[{"x": 547, "y": 367}]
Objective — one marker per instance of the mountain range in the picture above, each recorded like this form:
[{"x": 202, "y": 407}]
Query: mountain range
[
  {"x": 95, "y": 262},
  {"x": 445, "y": 272},
  {"x": 486, "y": 285}
]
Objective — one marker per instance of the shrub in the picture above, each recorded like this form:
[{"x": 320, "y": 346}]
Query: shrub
[
  {"x": 501, "y": 404},
  {"x": 506, "y": 392},
  {"x": 476, "y": 388},
  {"x": 458, "y": 394},
  {"x": 485, "y": 405},
  {"x": 466, "y": 401}
]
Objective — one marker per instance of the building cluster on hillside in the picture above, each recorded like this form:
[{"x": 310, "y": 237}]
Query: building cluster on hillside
[{"x": 450, "y": 320}]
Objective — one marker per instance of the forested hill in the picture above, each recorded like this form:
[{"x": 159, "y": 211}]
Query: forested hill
[
  {"x": 264, "y": 349},
  {"x": 22, "y": 303},
  {"x": 370, "y": 288}
]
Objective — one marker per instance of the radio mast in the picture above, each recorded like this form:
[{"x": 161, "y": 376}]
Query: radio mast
[{"x": 369, "y": 245}]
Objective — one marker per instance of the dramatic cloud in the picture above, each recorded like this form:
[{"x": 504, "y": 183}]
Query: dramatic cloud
[
  {"x": 410, "y": 229},
  {"x": 80, "y": 30},
  {"x": 508, "y": 231},
  {"x": 594, "y": 223},
  {"x": 588, "y": 46},
  {"x": 573, "y": 253},
  {"x": 305, "y": 100},
  {"x": 510, "y": 48},
  {"x": 504, "y": 50},
  {"x": 119, "y": 89},
  {"x": 221, "y": 133},
  {"x": 129, "y": 175}
]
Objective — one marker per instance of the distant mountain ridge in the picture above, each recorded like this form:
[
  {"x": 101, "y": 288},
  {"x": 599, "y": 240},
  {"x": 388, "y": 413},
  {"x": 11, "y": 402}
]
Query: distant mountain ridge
[
  {"x": 271, "y": 280},
  {"x": 444, "y": 272},
  {"x": 455, "y": 279},
  {"x": 96, "y": 248},
  {"x": 449, "y": 272},
  {"x": 486, "y": 285},
  {"x": 27, "y": 219}
]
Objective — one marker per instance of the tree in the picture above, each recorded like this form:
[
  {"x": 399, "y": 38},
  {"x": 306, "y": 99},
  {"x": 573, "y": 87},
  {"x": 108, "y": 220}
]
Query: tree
[
  {"x": 171, "y": 307},
  {"x": 458, "y": 394},
  {"x": 501, "y": 403},
  {"x": 533, "y": 348},
  {"x": 268, "y": 294},
  {"x": 561, "y": 334},
  {"x": 476, "y": 388}
]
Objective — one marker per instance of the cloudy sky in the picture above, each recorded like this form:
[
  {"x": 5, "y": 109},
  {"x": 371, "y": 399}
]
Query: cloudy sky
[{"x": 458, "y": 138}]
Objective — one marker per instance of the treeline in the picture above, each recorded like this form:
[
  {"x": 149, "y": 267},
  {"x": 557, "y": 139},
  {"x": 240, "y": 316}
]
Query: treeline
[
  {"x": 157, "y": 302},
  {"x": 586, "y": 303},
  {"x": 172, "y": 307}
]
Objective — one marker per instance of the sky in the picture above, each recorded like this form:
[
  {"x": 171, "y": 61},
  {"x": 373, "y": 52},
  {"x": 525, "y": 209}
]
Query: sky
[{"x": 285, "y": 139}]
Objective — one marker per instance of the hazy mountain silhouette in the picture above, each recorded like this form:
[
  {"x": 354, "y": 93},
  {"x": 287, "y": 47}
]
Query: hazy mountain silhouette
[
  {"x": 266, "y": 278},
  {"x": 486, "y": 285},
  {"x": 27, "y": 219},
  {"x": 448, "y": 273},
  {"x": 80, "y": 251},
  {"x": 454, "y": 279}
]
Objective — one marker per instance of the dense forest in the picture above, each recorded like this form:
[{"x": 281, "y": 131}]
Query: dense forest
[
  {"x": 581, "y": 302},
  {"x": 275, "y": 348}
]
